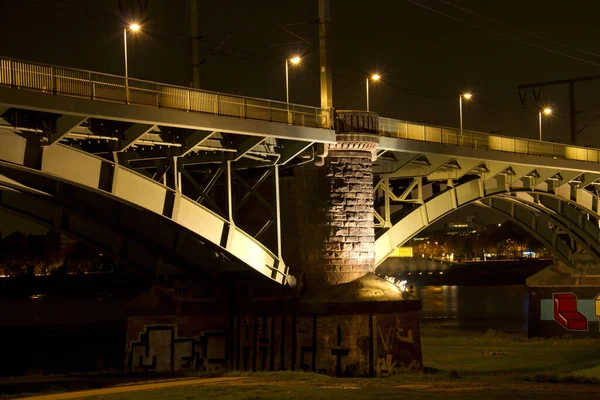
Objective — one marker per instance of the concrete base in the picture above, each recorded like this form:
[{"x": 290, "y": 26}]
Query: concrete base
[
  {"x": 563, "y": 302},
  {"x": 350, "y": 337}
]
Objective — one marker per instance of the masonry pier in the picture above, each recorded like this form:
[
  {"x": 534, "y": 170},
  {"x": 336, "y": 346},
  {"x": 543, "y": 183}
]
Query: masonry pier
[{"x": 337, "y": 317}]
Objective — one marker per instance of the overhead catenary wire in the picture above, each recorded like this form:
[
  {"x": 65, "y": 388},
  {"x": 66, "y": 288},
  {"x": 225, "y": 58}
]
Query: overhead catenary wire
[
  {"x": 502, "y": 34},
  {"x": 254, "y": 57},
  {"x": 520, "y": 30}
]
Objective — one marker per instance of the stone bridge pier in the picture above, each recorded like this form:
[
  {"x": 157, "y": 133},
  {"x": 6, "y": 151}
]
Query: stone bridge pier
[
  {"x": 336, "y": 316},
  {"x": 330, "y": 247}
]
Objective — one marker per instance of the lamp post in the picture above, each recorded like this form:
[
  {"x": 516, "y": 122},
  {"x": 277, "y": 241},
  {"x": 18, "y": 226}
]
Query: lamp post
[
  {"x": 134, "y": 28},
  {"x": 545, "y": 111},
  {"x": 466, "y": 96},
  {"x": 294, "y": 60},
  {"x": 374, "y": 78}
]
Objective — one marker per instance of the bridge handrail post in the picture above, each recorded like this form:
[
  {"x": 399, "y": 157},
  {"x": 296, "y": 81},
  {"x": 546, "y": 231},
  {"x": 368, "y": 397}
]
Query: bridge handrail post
[
  {"x": 158, "y": 96},
  {"x": 53, "y": 78},
  {"x": 217, "y": 105},
  {"x": 91, "y": 86},
  {"x": 244, "y": 112},
  {"x": 189, "y": 100},
  {"x": 11, "y": 70}
]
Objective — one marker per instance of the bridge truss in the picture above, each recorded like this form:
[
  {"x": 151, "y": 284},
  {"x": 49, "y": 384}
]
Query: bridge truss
[{"x": 556, "y": 202}]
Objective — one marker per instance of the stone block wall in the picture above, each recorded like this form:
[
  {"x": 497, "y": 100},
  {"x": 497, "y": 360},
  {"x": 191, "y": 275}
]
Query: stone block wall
[
  {"x": 349, "y": 245},
  {"x": 327, "y": 219}
]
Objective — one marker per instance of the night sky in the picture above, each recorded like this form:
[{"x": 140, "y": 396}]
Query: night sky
[{"x": 425, "y": 58}]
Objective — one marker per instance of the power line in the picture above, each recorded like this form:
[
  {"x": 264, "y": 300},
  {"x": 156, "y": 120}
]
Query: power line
[
  {"x": 254, "y": 57},
  {"x": 520, "y": 30},
  {"x": 501, "y": 34}
]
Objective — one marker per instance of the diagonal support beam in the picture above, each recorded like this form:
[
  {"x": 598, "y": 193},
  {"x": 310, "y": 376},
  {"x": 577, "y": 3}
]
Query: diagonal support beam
[
  {"x": 64, "y": 125},
  {"x": 288, "y": 149},
  {"x": 245, "y": 144},
  {"x": 203, "y": 192},
  {"x": 264, "y": 228},
  {"x": 133, "y": 133},
  {"x": 194, "y": 139},
  {"x": 253, "y": 189},
  {"x": 250, "y": 189}
]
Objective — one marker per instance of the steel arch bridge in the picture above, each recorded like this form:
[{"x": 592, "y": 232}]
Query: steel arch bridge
[
  {"x": 127, "y": 215},
  {"x": 555, "y": 205},
  {"x": 150, "y": 172}
]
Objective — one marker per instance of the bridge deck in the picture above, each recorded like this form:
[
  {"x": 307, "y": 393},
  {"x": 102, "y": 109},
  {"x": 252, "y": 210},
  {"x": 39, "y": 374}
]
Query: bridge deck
[
  {"x": 480, "y": 141},
  {"x": 113, "y": 88},
  {"x": 107, "y": 88}
]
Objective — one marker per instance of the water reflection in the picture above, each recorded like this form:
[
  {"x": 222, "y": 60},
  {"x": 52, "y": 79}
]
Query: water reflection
[{"x": 475, "y": 307}]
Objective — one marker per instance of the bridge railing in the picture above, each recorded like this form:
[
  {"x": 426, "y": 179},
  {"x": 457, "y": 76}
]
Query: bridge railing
[
  {"x": 106, "y": 87},
  {"x": 480, "y": 140}
]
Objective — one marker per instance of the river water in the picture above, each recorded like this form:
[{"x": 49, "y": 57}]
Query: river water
[{"x": 477, "y": 308}]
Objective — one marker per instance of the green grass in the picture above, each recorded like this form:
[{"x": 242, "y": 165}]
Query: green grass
[
  {"x": 495, "y": 354},
  {"x": 490, "y": 365}
]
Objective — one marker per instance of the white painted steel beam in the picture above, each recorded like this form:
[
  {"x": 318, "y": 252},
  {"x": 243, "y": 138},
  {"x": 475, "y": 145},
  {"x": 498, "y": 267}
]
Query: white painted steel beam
[
  {"x": 64, "y": 163},
  {"x": 64, "y": 125},
  {"x": 419, "y": 147},
  {"x": 63, "y": 105}
]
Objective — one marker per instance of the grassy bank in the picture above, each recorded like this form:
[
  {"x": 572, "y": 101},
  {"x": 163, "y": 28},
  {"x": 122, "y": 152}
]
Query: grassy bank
[
  {"x": 497, "y": 355},
  {"x": 460, "y": 365}
]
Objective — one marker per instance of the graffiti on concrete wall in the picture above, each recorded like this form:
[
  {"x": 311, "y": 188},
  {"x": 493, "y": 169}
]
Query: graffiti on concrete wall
[
  {"x": 566, "y": 313},
  {"x": 398, "y": 349},
  {"x": 569, "y": 311},
  {"x": 343, "y": 345},
  {"x": 160, "y": 349}
]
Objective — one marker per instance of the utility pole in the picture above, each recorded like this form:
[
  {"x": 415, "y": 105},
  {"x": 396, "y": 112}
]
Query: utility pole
[
  {"x": 536, "y": 88},
  {"x": 195, "y": 42},
  {"x": 324, "y": 55}
]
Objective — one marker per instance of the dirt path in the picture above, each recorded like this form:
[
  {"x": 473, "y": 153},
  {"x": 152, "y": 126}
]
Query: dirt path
[{"x": 134, "y": 388}]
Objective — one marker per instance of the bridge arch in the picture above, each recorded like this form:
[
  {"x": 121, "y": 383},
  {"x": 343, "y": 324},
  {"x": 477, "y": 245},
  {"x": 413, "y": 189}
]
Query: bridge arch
[
  {"x": 567, "y": 208},
  {"x": 117, "y": 210}
]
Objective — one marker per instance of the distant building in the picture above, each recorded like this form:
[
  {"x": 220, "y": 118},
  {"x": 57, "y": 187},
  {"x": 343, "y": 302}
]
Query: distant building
[{"x": 468, "y": 227}]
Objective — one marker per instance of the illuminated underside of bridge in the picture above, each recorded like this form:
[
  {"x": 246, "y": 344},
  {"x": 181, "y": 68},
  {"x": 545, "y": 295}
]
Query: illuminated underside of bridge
[{"x": 192, "y": 178}]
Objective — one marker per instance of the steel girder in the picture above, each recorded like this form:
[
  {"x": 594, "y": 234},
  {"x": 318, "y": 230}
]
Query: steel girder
[
  {"x": 450, "y": 198},
  {"x": 573, "y": 219},
  {"x": 59, "y": 163},
  {"x": 547, "y": 227}
]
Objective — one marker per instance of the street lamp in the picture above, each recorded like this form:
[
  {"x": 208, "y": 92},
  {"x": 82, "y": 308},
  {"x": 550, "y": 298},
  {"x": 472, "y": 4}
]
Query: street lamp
[
  {"x": 466, "y": 96},
  {"x": 294, "y": 60},
  {"x": 134, "y": 28},
  {"x": 374, "y": 78},
  {"x": 545, "y": 111}
]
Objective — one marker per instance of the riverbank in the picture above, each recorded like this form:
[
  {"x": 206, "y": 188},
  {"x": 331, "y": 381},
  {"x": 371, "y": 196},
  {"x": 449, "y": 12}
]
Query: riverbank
[{"x": 459, "y": 365}]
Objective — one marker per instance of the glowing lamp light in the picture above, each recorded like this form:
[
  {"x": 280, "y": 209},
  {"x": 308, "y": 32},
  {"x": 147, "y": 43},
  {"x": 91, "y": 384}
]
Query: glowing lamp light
[
  {"x": 467, "y": 96},
  {"x": 375, "y": 77},
  {"x": 295, "y": 60},
  {"x": 134, "y": 27},
  {"x": 547, "y": 111}
]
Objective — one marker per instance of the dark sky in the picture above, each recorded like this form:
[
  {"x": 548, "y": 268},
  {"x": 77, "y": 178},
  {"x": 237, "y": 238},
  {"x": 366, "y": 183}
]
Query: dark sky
[{"x": 425, "y": 58}]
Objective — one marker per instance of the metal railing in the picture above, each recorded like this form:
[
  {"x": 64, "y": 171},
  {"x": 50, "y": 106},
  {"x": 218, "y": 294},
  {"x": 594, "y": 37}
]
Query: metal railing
[
  {"x": 480, "y": 140},
  {"x": 106, "y": 87}
]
